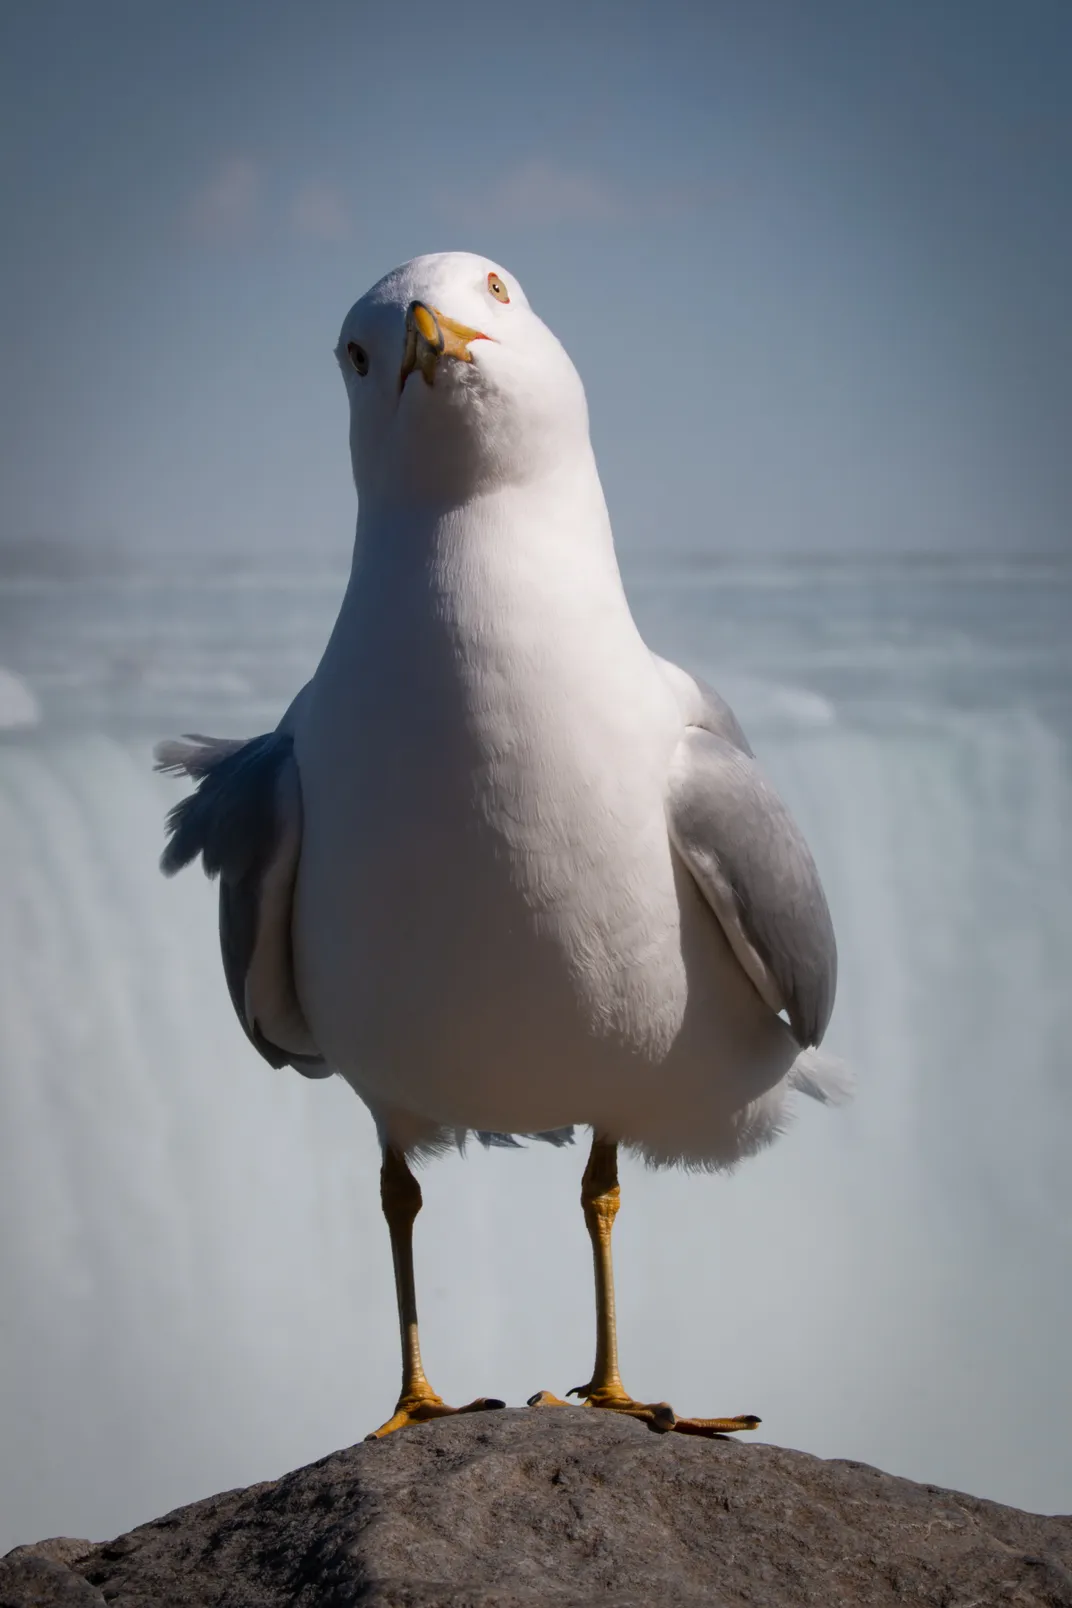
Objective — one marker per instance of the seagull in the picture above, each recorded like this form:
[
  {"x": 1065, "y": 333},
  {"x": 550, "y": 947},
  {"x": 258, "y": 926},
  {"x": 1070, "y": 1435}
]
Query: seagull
[{"x": 500, "y": 866}]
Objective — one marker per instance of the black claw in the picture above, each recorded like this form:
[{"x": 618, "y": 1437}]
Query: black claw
[{"x": 492, "y": 1403}]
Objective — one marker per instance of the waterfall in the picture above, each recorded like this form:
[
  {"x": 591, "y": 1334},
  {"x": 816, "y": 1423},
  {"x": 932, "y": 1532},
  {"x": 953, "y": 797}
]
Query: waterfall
[{"x": 197, "y": 1284}]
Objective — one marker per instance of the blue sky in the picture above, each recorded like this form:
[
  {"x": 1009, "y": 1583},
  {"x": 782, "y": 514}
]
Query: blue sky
[{"x": 812, "y": 260}]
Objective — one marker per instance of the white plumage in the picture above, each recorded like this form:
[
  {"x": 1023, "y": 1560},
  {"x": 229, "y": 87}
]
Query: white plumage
[{"x": 509, "y": 912}]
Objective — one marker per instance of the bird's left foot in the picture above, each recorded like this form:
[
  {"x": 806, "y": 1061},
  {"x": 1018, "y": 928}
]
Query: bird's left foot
[
  {"x": 420, "y": 1406},
  {"x": 658, "y": 1415}
]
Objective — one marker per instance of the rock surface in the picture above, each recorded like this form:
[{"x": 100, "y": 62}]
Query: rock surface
[{"x": 564, "y": 1508}]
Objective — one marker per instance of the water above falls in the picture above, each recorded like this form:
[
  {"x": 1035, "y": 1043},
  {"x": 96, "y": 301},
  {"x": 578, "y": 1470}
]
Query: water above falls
[{"x": 197, "y": 1284}]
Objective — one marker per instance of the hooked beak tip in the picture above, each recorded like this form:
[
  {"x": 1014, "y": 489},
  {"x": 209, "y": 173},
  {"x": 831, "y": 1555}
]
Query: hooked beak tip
[{"x": 431, "y": 335}]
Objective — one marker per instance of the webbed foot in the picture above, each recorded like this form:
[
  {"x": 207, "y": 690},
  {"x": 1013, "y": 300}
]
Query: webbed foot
[
  {"x": 659, "y": 1415},
  {"x": 420, "y": 1406}
]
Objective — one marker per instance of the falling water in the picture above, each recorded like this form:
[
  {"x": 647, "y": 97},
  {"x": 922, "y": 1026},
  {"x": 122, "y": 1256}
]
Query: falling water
[{"x": 196, "y": 1282}]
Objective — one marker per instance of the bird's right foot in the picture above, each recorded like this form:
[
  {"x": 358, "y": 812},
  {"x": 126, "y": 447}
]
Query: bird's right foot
[
  {"x": 420, "y": 1406},
  {"x": 658, "y": 1415}
]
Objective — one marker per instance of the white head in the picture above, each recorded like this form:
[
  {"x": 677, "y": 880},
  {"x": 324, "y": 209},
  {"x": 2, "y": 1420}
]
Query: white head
[{"x": 455, "y": 385}]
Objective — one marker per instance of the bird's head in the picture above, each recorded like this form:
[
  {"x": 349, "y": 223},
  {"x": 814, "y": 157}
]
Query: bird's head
[{"x": 455, "y": 385}]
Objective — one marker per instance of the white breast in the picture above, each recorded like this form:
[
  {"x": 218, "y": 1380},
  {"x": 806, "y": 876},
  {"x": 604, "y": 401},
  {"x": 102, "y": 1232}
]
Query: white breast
[{"x": 491, "y": 930}]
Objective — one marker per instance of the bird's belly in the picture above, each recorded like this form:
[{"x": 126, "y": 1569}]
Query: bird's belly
[
  {"x": 474, "y": 974},
  {"x": 485, "y": 966}
]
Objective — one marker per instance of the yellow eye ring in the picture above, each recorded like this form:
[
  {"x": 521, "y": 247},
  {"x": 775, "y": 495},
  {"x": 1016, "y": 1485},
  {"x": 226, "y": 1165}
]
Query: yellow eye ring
[{"x": 497, "y": 288}]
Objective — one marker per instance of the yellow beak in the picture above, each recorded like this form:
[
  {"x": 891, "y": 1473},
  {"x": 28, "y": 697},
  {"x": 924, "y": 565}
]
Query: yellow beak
[{"x": 431, "y": 335}]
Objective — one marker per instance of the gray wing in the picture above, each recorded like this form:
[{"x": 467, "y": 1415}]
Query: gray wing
[
  {"x": 754, "y": 869},
  {"x": 245, "y": 821}
]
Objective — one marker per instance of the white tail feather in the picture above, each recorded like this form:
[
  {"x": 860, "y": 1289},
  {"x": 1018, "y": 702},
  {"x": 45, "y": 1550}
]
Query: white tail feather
[
  {"x": 822, "y": 1077},
  {"x": 193, "y": 755}
]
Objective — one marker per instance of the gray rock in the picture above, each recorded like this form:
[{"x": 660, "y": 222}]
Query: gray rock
[
  {"x": 568, "y": 1508},
  {"x": 40, "y": 1576}
]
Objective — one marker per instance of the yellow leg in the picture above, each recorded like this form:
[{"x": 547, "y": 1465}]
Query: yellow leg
[
  {"x": 400, "y": 1194},
  {"x": 600, "y": 1199}
]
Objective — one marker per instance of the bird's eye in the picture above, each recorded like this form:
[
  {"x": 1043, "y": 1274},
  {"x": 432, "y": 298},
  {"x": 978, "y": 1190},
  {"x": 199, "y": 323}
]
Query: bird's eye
[
  {"x": 358, "y": 356},
  {"x": 497, "y": 288}
]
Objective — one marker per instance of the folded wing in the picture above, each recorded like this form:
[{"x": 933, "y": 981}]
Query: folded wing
[
  {"x": 245, "y": 822},
  {"x": 754, "y": 868}
]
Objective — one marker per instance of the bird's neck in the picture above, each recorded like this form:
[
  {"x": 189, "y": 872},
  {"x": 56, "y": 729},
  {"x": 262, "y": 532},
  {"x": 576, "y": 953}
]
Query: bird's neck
[
  {"x": 510, "y": 607},
  {"x": 546, "y": 543}
]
